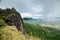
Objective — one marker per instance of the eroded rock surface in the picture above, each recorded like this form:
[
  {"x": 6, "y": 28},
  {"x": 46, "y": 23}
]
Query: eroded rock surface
[{"x": 13, "y": 16}]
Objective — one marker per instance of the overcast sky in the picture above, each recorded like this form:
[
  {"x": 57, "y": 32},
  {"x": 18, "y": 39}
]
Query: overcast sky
[{"x": 48, "y": 10}]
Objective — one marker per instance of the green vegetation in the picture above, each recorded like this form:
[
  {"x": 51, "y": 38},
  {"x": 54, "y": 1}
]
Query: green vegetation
[
  {"x": 2, "y": 23},
  {"x": 11, "y": 33},
  {"x": 6, "y": 12},
  {"x": 34, "y": 29}
]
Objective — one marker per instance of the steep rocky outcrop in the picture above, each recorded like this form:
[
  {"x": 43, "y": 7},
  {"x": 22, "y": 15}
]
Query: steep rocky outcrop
[{"x": 13, "y": 16}]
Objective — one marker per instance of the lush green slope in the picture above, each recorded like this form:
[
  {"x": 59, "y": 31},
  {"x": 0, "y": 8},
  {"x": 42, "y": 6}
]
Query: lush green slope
[{"x": 34, "y": 29}]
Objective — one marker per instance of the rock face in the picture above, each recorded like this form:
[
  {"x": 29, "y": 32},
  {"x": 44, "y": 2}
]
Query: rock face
[
  {"x": 14, "y": 17},
  {"x": 16, "y": 20}
]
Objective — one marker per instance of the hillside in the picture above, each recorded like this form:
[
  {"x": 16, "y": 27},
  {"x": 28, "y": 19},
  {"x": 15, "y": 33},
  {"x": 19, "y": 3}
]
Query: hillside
[
  {"x": 7, "y": 29},
  {"x": 32, "y": 31},
  {"x": 33, "y": 28},
  {"x": 52, "y": 29},
  {"x": 11, "y": 33},
  {"x": 10, "y": 16}
]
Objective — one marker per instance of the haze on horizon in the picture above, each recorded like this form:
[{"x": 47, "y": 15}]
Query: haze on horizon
[{"x": 48, "y": 10}]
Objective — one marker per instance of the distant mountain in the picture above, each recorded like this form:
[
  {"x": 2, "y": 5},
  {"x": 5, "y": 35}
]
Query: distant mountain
[
  {"x": 38, "y": 19},
  {"x": 26, "y": 18}
]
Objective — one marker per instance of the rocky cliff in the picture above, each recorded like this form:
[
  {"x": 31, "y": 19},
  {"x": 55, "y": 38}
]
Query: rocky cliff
[{"x": 12, "y": 17}]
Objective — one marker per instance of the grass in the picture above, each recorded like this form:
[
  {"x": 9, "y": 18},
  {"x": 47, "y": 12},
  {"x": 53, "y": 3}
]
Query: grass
[
  {"x": 11, "y": 33},
  {"x": 34, "y": 29},
  {"x": 2, "y": 23}
]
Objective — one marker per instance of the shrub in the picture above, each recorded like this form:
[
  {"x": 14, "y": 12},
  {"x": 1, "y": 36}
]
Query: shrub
[{"x": 2, "y": 23}]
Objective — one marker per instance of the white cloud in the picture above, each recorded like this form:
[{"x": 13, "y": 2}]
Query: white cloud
[
  {"x": 29, "y": 15},
  {"x": 26, "y": 15},
  {"x": 34, "y": 8},
  {"x": 54, "y": 12},
  {"x": 37, "y": 8}
]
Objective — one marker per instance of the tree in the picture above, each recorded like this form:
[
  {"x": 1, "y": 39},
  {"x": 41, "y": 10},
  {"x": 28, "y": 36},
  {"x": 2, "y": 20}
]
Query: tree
[{"x": 13, "y": 9}]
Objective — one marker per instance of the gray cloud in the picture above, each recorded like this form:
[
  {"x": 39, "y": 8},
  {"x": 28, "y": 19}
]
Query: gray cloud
[{"x": 49, "y": 9}]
